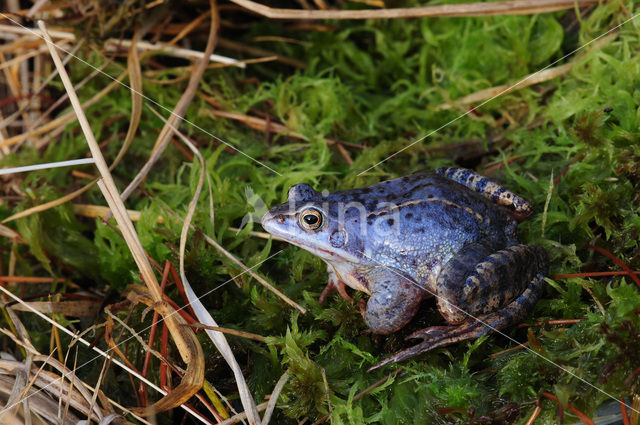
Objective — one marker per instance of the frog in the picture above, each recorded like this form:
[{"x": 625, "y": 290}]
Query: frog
[{"x": 450, "y": 234}]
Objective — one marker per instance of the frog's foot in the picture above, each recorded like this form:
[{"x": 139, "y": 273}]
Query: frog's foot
[
  {"x": 334, "y": 283},
  {"x": 473, "y": 327}
]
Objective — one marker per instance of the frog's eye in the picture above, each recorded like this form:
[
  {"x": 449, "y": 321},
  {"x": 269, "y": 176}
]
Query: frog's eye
[{"x": 310, "y": 219}]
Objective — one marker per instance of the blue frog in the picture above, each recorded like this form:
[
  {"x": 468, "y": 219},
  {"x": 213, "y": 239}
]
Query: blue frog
[{"x": 451, "y": 234}]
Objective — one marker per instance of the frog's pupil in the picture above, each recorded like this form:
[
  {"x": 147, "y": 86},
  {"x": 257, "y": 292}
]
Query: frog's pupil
[{"x": 310, "y": 219}]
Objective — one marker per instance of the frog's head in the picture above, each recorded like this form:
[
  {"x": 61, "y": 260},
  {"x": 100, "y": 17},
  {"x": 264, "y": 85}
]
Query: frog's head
[{"x": 311, "y": 221}]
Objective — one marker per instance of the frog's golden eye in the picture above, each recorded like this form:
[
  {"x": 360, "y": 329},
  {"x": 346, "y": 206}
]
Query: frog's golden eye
[{"x": 310, "y": 219}]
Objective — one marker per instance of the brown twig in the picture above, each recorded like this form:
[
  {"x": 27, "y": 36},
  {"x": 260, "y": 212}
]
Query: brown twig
[
  {"x": 268, "y": 126},
  {"x": 243, "y": 334},
  {"x": 535, "y": 413},
  {"x": 530, "y": 80},
  {"x": 34, "y": 279},
  {"x": 509, "y": 350},
  {"x": 517, "y": 7},
  {"x": 257, "y": 51},
  {"x": 551, "y": 322}
]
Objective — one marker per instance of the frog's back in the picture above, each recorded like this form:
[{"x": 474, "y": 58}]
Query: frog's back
[
  {"x": 428, "y": 193},
  {"x": 417, "y": 223}
]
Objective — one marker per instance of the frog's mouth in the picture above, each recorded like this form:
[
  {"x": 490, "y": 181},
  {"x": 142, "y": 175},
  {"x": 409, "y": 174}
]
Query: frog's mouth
[{"x": 325, "y": 253}]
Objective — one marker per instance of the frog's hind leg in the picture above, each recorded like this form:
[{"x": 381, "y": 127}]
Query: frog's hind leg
[
  {"x": 517, "y": 206},
  {"x": 439, "y": 336},
  {"x": 479, "y": 293}
]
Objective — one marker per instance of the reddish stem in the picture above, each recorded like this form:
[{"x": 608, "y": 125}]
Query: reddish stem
[
  {"x": 552, "y": 322},
  {"x": 181, "y": 290},
  {"x": 592, "y": 274},
  {"x": 182, "y": 149},
  {"x": 625, "y": 415},
  {"x": 142, "y": 389},
  {"x": 584, "y": 418},
  {"x": 564, "y": 171},
  {"x": 618, "y": 262},
  {"x": 192, "y": 407},
  {"x": 633, "y": 374},
  {"x": 204, "y": 400},
  {"x": 181, "y": 311},
  {"x": 164, "y": 350}
]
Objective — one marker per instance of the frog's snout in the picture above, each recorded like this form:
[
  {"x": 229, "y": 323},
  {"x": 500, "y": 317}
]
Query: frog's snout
[
  {"x": 272, "y": 223},
  {"x": 266, "y": 219}
]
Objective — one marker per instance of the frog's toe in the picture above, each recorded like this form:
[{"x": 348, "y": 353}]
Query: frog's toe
[
  {"x": 335, "y": 286},
  {"x": 432, "y": 337},
  {"x": 430, "y": 332},
  {"x": 402, "y": 355}
]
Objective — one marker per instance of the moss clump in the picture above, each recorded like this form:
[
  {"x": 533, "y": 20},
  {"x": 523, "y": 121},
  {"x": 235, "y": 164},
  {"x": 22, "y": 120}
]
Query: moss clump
[{"x": 380, "y": 85}]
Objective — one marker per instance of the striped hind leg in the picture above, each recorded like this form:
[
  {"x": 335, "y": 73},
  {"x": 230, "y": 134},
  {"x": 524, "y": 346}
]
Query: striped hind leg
[
  {"x": 439, "y": 336},
  {"x": 477, "y": 295}
]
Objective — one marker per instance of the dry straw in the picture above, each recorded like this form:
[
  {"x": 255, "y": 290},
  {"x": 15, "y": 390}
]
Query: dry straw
[
  {"x": 518, "y": 7},
  {"x": 185, "y": 340}
]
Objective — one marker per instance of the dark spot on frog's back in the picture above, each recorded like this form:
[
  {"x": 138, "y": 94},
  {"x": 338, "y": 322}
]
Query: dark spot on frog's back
[{"x": 390, "y": 222}]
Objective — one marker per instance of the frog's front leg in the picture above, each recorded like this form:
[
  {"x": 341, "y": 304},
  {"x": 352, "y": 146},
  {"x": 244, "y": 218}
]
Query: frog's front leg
[
  {"x": 394, "y": 301},
  {"x": 476, "y": 297},
  {"x": 334, "y": 283}
]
